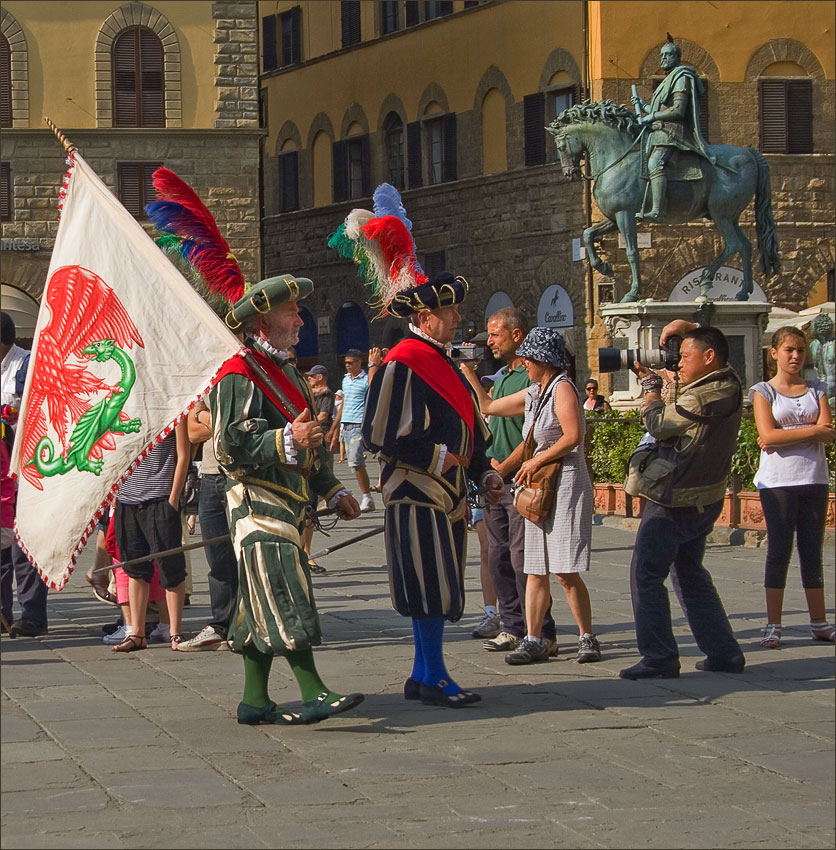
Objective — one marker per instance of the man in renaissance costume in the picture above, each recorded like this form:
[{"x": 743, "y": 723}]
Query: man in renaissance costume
[{"x": 269, "y": 444}]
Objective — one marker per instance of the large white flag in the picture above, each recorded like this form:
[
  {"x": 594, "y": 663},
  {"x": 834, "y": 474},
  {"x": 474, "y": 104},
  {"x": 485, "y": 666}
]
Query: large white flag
[{"x": 123, "y": 348}]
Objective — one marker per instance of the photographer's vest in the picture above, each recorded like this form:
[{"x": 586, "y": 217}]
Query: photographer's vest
[{"x": 701, "y": 455}]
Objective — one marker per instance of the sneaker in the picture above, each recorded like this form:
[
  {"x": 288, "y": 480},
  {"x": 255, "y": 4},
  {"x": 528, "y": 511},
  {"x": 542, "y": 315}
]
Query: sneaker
[
  {"x": 366, "y": 503},
  {"x": 206, "y": 639},
  {"x": 110, "y": 628},
  {"x": 488, "y": 627},
  {"x": 503, "y": 642},
  {"x": 117, "y": 636},
  {"x": 551, "y": 645},
  {"x": 161, "y": 633},
  {"x": 528, "y": 652},
  {"x": 27, "y": 628},
  {"x": 588, "y": 649}
]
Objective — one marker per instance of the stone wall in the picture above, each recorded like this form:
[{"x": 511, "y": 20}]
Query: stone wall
[
  {"x": 221, "y": 166},
  {"x": 236, "y": 58},
  {"x": 510, "y": 232}
]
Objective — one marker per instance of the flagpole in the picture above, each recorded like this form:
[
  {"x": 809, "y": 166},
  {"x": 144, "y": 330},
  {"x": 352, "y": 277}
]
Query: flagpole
[{"x": 68, "y": 146}]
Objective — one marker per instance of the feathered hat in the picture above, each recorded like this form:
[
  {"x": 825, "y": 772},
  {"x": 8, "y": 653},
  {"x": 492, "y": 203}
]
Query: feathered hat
[
  {"x": 190, "y": 235},
  {"x": 381, "y": 245}
]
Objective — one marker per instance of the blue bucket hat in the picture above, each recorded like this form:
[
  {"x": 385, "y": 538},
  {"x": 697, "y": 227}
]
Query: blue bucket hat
[{"x": 547, "y": 346}]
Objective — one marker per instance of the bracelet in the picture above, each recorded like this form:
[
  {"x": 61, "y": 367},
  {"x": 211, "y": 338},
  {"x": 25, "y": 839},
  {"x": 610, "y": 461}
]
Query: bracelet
[{"x": 652, "y": 383}]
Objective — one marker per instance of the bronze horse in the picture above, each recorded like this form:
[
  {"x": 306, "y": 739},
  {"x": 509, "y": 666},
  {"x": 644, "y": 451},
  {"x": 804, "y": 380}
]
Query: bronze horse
[{"x": 611, "y": 137}]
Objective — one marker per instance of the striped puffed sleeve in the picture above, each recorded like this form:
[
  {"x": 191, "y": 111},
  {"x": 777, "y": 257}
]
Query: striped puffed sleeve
[{"x": 396, "y": 421}]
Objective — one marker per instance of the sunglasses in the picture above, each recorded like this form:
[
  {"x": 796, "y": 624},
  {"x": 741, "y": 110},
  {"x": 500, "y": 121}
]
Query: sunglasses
[{"x": 591, "y": 388}]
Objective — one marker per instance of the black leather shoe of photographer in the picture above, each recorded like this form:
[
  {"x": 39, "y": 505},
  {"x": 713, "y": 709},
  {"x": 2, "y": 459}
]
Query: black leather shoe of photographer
[
  {"x": 722, "y": 665},
  {"x": 645, "y": 670}
]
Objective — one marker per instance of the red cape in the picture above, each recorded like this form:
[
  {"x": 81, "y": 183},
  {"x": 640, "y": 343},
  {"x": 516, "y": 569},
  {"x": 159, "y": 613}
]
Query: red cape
[
  {"x": 238, "y": 366},
  {"x": 437, "y": 371}
]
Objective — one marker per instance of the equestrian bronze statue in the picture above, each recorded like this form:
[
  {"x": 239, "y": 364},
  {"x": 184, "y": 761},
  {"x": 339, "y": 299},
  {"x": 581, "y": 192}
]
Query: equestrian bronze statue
[{"x": 660, "y": 159}]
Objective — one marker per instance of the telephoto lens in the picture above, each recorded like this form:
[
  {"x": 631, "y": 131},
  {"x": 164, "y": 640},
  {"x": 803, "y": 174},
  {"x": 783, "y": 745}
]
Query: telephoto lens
[{"x": 613, "y": 359}]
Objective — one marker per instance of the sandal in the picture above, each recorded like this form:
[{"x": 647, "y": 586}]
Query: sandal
[
  {"x": 101, "y": 593},
  {"x": 822, "y": 630},
  {"x": 771, "y": 636},
  {"x": 176, "y": 640},
  {"x": 316, "y": 569},
  {"x": 434, "y": 695},
  {"x": 132, "y": 643}
]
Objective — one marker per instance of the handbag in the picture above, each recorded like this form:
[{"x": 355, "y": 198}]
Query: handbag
[
  {"x": 648, "y": 474},
  {"x": 535, "y": 501}
]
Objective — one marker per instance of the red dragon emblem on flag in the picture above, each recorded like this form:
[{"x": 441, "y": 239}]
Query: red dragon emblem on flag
[{"x": 88, "y": 323}]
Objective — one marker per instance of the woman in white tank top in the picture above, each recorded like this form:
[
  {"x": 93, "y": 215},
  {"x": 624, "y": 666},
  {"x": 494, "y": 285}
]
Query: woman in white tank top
[{"x": 794, "y": 425}]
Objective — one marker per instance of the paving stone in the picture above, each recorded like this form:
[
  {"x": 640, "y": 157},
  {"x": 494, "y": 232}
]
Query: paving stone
[
  {"x": 164, "y": 788},
  {"x": 45, "y": 802},
  {"x": 43, "y": 775}
]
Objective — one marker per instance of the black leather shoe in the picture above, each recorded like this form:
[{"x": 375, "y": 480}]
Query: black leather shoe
[
  {"x": 412, "y": 689},
  {"x": 722, "y": 665},
  {"x": 434, "y": 695},
  {"x": 645, "y": 670}
]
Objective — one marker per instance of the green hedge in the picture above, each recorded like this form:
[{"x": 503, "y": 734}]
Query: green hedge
[{"x": 612, "y": 437}]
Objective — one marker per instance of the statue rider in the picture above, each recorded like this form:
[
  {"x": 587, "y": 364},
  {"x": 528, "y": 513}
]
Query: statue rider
[{"x": 673, "y": 116}]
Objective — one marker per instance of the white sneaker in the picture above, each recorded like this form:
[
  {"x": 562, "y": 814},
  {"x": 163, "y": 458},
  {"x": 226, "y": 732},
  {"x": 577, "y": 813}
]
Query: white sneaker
[
  {"x": 117, "y": 637},
  {"x": 366, "y": 503},
  {"x": 206, "y": 639},
  {"x": 161, "y": 633}
]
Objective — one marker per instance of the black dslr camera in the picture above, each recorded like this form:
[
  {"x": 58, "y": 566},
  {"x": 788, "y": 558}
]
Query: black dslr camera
[{"x": 667, "y": 357}]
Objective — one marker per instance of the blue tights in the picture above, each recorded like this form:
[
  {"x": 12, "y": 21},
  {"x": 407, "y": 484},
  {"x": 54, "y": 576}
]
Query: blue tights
[{"x": 428, "y": 666}]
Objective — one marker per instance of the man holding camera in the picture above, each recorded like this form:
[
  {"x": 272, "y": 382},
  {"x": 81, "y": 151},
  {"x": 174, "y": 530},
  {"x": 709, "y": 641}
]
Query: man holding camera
[{"x": 684, "y": 484}]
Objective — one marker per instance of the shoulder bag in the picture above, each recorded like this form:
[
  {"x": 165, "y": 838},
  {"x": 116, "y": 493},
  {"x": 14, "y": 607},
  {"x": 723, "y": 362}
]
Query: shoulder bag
[{"x": 536, "y": 500}]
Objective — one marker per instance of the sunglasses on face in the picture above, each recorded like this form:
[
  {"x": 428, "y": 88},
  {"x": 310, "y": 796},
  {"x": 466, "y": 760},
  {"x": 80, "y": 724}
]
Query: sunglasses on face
[{"x": 591, "y": 389}]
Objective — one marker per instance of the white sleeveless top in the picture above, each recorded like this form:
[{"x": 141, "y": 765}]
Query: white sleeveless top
[{"x": 797, "y": 463}]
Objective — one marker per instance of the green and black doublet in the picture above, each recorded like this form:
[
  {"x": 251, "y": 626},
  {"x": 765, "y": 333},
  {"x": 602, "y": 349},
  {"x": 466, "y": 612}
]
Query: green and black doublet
[{"x": 266, "y": 498}]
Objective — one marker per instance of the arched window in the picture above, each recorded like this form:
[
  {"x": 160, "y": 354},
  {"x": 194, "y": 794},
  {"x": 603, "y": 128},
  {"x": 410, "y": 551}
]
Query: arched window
[
  {"x": 393, "y": 140},
  {"x": 288, "y": 177},
  {"x": 5, "y": 82},
  {"x": 352, "y": 328},
  {"x": 138, "y": 87},
  {"x": 785, "y": 103}
]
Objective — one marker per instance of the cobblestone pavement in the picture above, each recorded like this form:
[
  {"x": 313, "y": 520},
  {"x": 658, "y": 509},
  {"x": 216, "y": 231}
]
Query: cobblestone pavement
[{"x": 142, "y": 750}]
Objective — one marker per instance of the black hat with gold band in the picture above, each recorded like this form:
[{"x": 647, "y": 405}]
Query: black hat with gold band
[
  {"x": 443, "y": 290},
  {"x": 266, "y": 294}
]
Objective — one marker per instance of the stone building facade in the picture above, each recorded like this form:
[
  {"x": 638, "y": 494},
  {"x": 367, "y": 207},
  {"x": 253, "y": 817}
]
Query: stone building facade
[
  {"x": 210, "y": 136},
  {"x": 504, "y": 223}
]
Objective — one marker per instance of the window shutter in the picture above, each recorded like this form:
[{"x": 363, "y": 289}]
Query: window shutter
[
  {"x": 799, "y": 116},
  {"x": 129, "y": 188},
  {"x": 534, "y": 111},
  {"x": 152, "y": 91},
  {"x": 289, "y": 181},
  {"x": 411, "y": 13},
  {"x": 135, "y": 186},
  {"x": 125, "y": 106},
  {"x": 413, "y": 154},
  {"x": 5, "y": 82},
  {"x": 703, "y": 116},
  {"x": 367, "y": 176},
  {"x": 270, "y": 59},
  {"x": 296, "y": 34},
  {"x": 340, "y": 169},
  {"x": 448, "y": 168},
  {"x": 772, "y": 96},
  {"x": 350, "y": 22},
  {"x": 6, "y": 191}
]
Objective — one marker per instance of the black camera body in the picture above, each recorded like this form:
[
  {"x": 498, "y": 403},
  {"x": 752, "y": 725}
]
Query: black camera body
[
  {"x": 667, "y": 357},
  {"x": 467, "y": 351}
]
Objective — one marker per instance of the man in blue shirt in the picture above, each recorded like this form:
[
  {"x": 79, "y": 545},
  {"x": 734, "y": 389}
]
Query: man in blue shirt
[{"x": 355, "y": 387}]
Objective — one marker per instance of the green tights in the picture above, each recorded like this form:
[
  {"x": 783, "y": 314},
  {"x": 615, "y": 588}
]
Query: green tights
[{"x": 257, "y": 673}]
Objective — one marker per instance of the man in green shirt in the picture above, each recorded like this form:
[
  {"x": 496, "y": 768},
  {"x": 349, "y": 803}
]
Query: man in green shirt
[{"x": 505, "y": 526}]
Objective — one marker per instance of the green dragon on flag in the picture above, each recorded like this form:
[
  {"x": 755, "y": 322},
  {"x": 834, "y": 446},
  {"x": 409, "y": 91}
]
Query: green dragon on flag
[{"x": 87, "y": 324}]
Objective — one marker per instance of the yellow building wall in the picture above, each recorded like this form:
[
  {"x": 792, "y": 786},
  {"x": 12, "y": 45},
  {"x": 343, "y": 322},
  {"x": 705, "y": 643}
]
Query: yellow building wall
[
  {"x": 61, "y": 40},
  {"x": 730, "y": 30},
  {"x": 454, "y": 53}
]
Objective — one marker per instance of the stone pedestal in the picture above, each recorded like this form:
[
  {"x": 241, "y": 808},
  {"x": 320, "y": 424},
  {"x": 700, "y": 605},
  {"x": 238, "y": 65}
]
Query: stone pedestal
[{"x": 639, "y": 325}]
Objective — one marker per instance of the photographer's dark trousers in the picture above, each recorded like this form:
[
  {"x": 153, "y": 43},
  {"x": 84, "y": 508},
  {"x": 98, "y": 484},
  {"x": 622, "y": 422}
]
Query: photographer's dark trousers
[
  {"x": 506, "y": 559},
  {"x": 672, "y": 541}
]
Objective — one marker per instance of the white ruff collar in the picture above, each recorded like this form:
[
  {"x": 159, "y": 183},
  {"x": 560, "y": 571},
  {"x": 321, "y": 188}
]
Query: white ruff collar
[{"x": 418, "y": 332}]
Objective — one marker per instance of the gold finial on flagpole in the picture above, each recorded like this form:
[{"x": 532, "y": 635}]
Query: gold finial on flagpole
[{"x": 68, "y": 146}]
